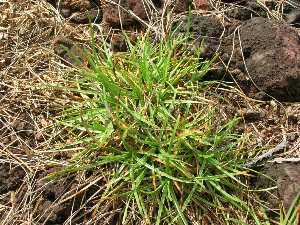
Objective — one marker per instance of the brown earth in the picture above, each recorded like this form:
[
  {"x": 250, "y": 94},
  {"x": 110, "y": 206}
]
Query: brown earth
[{"x": 258, "y": 57}]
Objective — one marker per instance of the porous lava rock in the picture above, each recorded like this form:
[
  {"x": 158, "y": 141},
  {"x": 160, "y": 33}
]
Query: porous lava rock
[
  {"x": 180, "y": 6},
  {"x": 262, "y": 54},
  {"x": 77, "y": 10},
  {"x": 201, "y": 5},
  {"x": 286, "y": 178},
  {"x": 117, "y": 12},
  {"x": 59, "y": 43},
  {"x": 206, "y": 29},
  {"x": 246, "y": 9},
  {"x": 270, "y": 51}
]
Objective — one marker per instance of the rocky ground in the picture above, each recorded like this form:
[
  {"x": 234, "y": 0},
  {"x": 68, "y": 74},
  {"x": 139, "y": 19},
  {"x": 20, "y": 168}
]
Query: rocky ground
[{"x": 259, "y": 48}]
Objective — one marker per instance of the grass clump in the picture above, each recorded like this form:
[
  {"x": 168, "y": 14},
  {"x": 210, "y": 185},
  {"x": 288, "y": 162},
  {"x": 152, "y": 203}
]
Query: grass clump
[{"x": 148, "y": 119}]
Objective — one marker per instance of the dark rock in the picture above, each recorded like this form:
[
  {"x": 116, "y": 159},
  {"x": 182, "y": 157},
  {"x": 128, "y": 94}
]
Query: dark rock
[
  {"x": 11, "y": 178},
  {"x": 180, "y": 6},
  {"x": 287, "y": 180},
  {"x": 202, "y": 28},
  {"x": 266, "y": 52},
  {"x": 293, "y": 17},
  {"x": 271, "y": 52},
  {"x": 245, "y": 10},
  {"x": 81, "y": 17},
  {"x": 117, "y": 13},
  {"x": 202, "y": 5},
  {"x": 77, "y": 10},
  {"x": 60, "y": 41},
  {"x": 291, "y": 12}
]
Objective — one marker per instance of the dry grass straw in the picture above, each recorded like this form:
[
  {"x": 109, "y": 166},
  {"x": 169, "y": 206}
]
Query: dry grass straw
[{"x": 28, "y": 107}]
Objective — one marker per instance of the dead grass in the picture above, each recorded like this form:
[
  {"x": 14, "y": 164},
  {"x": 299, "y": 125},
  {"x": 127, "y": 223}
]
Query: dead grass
[{"x": 28, "y": 107}]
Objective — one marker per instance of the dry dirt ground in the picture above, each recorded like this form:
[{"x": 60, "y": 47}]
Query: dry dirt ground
[{"x": 29, "y": 109}]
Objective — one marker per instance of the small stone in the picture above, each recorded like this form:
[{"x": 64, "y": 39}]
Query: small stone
[
  {"x": 60, "y": 41},
  {"x": 39, "y": 137},
  {"x": 180, "y": 6},
  {"x": 273, "y": 104},
  {"x": 77, "y": 10},
  {"x": 202, "y": 5},
  {"x": 287, "y": 179},
  {"x": 270, "y": 57},
  {"x": 117, "y": 13}
]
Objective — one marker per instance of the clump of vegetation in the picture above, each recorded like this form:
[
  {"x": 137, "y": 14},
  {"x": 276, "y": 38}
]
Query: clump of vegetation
[{"x": 148, "y": 124}]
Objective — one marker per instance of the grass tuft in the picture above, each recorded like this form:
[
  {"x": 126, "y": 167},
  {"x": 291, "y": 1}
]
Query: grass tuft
[{"x": 147, "y": 123}]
